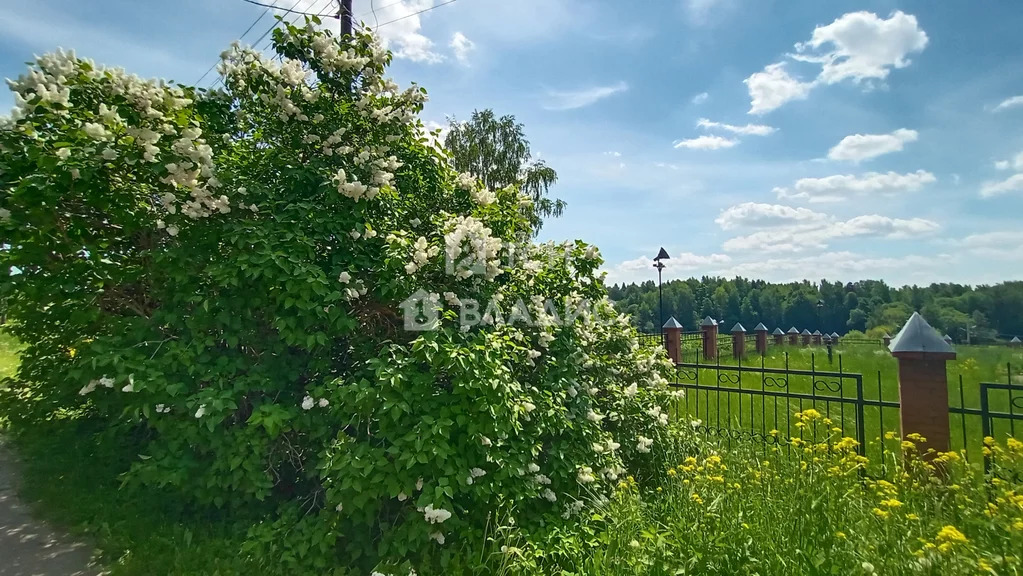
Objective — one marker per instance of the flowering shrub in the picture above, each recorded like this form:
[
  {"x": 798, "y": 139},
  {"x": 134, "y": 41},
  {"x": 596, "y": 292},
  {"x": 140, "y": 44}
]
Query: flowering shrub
[{"x": 220, "y": 274}]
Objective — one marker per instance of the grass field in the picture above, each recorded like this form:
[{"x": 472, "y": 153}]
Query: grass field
[
  {"x": 728, "y": 399},
  {"x": 8, "y": 355}
]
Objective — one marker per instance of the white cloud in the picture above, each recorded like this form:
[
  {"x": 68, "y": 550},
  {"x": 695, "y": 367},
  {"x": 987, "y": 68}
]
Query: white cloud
[
  {"x": 429, "y": 127},
  {"x": 613, "y": 154},
  {"x": 1001, "y": 244},
  {"x": 839, "y": 187},
  {"x": 676, "y": 266},
  {"x": 568, "y": 100},
  {"x": 860, "y": 147},
  {"x": 667, "y": 165},
  {"x": 758, "y": 215},
  {"x": 786, "y": 229},
  {"x": 774, "y": 87},
  {"x": 706, "y": 143},
  {"x": 1013, "y": 183},
  {"x": 858, "y": 46},
  {"x": 1015, "y": 163},
  {"x": 700, "y": 98},
  {"x": 1013, "y": 102},
  {"x": 403, "y": 33},
  {"x": 843, "y": 265},
  {"x": 861, "y": 46},
  {"x": 461, "y": 46},
  {"x": 747, "y": 130}
]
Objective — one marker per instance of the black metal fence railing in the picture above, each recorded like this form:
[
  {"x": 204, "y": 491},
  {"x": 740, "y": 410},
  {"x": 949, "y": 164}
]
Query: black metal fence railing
[
  {"x": 991, "y": 410},
  {"x": 651, "y": 339},
  {"x": 758, "y": 402},
  {"x": 862, "y": 341}
]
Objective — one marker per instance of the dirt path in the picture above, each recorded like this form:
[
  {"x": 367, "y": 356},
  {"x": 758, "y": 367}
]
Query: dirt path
[{"x": 29, "y": 547}]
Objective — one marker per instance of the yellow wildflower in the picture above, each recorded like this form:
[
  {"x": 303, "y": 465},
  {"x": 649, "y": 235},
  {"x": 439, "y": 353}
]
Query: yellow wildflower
[
  {"x": 840, "y": 535},
  {"x": 914, "y": 437},
  {"x": 950, "y": 534},
  {"x": 891, "y": 503},
  {"x": 882, "y": 514}
]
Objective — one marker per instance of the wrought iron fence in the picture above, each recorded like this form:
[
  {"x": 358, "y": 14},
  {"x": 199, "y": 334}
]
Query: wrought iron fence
[
  {"x": 991, "y": 410},
  {"x": 758, "y": 402},
  {"x": 651, "y": 339}
]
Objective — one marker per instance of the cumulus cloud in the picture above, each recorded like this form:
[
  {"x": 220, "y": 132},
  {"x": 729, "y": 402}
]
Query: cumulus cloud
[
  {"x": 403, "y": 35},
  {"x": 1014, "y": 102},
  {"x": 1014, "y": 163},
  {"x": 747, "y": 130},
  {"x": 843, "y": 265},
  {"x": 676, "y": 266},
  {"x": 461, "y": 47},
  {"x": 1013, "y": 183},
  {"x": 759, "y": 215},
  {"x": 700, "y": 98},
  {"x": 571, "y": 99},
  {"x": 840, "y": 187},
  {"x": 706, "y": 143},
  {"x": 858, "y": 46},
  {"x": 860, "y": 147},
  {"x": 774, "y": 87},
  {"x": 861, "y": 46},
  {"x": 778, "y": 228}
]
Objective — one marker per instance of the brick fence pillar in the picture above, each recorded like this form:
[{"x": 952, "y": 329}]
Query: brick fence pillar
[
  {"x": 923, "y": 383},
  {"x": 761, "y": 332},
  {"x": 1015, "y": 342},
  {"x": 816, "y": 337},
  {"x": 806, "y": 337},
  {"x": 673, "y": 339},
  {"x": 793, "y": 335},
  {"x": 779, "y": 336},
  {"x": 738, "y": 341},
  {"x": 710, "y": 338},
  {"x": 887, "y": 340}
]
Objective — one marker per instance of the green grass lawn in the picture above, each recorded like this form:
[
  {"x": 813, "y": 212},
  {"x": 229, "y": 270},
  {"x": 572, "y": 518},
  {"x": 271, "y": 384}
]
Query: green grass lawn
[
  {"x": 8, "y": 355},
  {"x": 720, "y": 404}
]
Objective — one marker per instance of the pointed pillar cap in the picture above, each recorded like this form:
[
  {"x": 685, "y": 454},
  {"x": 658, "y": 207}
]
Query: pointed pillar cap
[
  {"x": 708, "y": 321},
  {"x": 778, "y": 332},
  {"x": 917, "y": 336},
  {"x": 738, "y": 328},
  {"x": 816, "y": 332},
  {"x": 793, "y": 330},
  {"x": 1015, "y": 340},
  {"x": 672, "y": 323},
  {"x": 834, "y": 334},
  {"x": 805, "y": 332},
  {"x": 760, "y": 328}
]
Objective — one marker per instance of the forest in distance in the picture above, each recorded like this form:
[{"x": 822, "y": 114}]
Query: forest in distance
[{"x": 982, "y": 314}]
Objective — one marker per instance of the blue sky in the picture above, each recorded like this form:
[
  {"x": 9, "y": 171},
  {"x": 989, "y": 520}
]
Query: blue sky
[{"x": 771, "y": 139}]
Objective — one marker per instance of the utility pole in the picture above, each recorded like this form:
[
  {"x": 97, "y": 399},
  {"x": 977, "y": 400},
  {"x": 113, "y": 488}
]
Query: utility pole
[{"x": 346, "y": 17}]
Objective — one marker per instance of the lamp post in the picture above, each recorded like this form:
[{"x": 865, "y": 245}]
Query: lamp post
[
  {"x": 662, "y": 255},
  {"x": 820, "y": 307}
]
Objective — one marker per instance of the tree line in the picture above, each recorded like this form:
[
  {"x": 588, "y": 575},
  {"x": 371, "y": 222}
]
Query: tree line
[{"x": 980, "y": 313}]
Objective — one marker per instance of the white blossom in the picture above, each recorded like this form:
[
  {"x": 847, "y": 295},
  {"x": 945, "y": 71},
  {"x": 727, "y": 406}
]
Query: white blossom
[
  {"x": 344, "y": 278},
  {"x": 308, "y": 403},
  {"x": 437, "y": 536},
  {"x": 435, "y": 515},
  {"x": 585, "y": 475},
  {"x": 643, "y": 444},
  {"x": 323, "y": 403},
  {"x": 201, "y": 411}
]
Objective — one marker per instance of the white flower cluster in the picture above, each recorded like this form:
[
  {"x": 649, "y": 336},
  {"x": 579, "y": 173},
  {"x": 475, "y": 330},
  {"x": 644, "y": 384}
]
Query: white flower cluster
[
  {"x": 573, "y": 508},
  {"x": 308, "y": 402},
  {"x": 659, "y": 415},
  {"x": 469, "y": 236},
  {"x": 356, "y": 290},
  {"x": 422, "y": 252},
  {"x": 335, "y": 60},
  {"x": 105, "y": 382},
  {"x": 643, "y": 444},
  {"x": 435, "y": 515},
  {"x": 474, "y": 474},
  {"x": 585, "y": 475}
]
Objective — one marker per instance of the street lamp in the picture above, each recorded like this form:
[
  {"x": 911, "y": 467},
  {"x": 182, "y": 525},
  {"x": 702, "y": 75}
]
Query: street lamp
[
  {"x": 662, "y": 255},
  {"x": 820, "y": 307}
]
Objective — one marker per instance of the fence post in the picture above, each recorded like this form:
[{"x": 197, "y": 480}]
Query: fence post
[
  {"x": 887, "y": 339},
  {"x": 673, "y": 339},
  {"x": 806, "y": 337},
  {"x": 738, "y": 341},
  {"x": 816, "y": 337},
  {"x": 793, "y": 336},
  {"x": 1015, "y": 342},
  {"x": 761, "y": 331},
  {"x": 779, "y": 336},
  {"x": 834, "y": 338},
  {"x": 923, "y": 382},
  {"x": 710, "y": 338}
]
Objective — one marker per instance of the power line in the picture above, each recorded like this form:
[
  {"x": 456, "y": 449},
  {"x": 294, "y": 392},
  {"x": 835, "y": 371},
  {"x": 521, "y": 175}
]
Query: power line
[
  {"x": 247, "y": 30},
  {"x": 268, "y": 6},
  {"x": 416, "y": 13}
]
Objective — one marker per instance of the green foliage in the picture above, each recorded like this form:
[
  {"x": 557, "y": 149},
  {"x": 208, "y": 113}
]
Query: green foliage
[
  {"x": 496, "y": 151},
  {"x": 992, "y": 312},
  {"x": 216, "y": 279}
]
